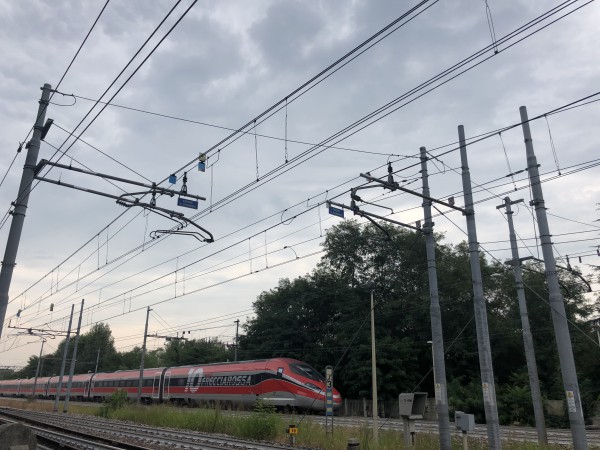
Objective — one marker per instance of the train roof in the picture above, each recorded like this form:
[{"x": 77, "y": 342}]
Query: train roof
[
  {"x": 134, "y": 373},
  {"x": 151, "y": 370},
  {"x": 250, "y": 361}
]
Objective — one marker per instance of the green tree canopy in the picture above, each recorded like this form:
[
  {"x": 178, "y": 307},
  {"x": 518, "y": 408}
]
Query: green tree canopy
[{"x": 322, "y": 318}]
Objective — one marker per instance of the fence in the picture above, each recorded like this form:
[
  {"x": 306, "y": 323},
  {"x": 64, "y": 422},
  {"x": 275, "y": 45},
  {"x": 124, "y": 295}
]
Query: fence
[{"x": 387, "y": 408}]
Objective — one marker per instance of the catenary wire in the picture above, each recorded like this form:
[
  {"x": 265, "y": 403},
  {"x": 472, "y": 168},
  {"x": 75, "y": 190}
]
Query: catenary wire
[
  {"x": 327, "y": 142},
  {"x": 56, "y": 87},
  {"x": 29, "y": 186}
]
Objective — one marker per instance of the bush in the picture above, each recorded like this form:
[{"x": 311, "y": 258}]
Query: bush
[
  {"x": 113, "y": 402},
  {"x": 263, "y": 423}
]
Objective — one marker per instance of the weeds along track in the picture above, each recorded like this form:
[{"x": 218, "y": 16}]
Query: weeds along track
[
  {"x": 558, "y": 436},
  {"x": 83, "y": 432}
]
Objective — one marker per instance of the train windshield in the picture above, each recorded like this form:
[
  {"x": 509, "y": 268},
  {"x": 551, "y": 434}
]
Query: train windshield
[{"x": 306, "y": 371}]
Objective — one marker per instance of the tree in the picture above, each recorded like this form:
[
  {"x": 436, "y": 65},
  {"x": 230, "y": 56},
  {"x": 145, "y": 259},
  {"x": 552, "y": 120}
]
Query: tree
[
  {"x": 99, "y": 337},
  {"x": 195, "y": 351},
  {"x": 322, "y": 318},
  {"x": 97, "y": 341}
]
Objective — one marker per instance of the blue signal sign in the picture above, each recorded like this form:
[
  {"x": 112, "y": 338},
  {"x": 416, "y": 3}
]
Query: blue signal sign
[
  {"x": 186, "y": 203},
  {"x": 336, "y": 211}
]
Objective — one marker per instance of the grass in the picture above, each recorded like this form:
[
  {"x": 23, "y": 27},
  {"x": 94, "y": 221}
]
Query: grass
[
  {"x": 313, "y": 435},
  {"x": 264, "y": 424},
  {"x": 34, "y": 405},
  {"x": 261, "y": 425}
]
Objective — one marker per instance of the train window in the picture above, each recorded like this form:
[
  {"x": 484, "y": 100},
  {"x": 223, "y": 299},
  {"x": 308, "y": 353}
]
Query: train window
[{"x": 306, "y": 371}]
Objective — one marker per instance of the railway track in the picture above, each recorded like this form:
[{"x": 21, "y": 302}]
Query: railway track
[
  {"x": 521, "y": 434},
  {"x": 50, "y": 438},
  {"x": 119, "y": 433},
  {"x": 56, "y": 430}
]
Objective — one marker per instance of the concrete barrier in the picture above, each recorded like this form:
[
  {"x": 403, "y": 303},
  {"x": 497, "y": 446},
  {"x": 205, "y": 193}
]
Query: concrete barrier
[{"x": 16, "y": 436}]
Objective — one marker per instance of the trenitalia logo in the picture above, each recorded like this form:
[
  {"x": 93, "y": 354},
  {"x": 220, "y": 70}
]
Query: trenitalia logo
[{"x": 196, "y": 379}]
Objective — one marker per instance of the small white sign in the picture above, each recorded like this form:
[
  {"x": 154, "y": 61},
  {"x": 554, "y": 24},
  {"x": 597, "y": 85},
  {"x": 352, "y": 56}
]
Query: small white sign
[
  {"x": 487, "y": 397},
  {"x": 486, "y": 391},
  {"x": 439, "y": 397},
  {"x": 571, "y": 406}
]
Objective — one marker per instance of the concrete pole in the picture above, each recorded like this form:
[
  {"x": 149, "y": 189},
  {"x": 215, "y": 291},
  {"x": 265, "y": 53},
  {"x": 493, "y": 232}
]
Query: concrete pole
[
  {"x": 237, "y": 327},
  {"x": 64, "y": 361},
  {"x": 73, "y": 360},
  {"x": 141, "y": 380},
  {"x": 481, "y": 323},
  {"x": 18, "y": 215},
  {"x": 437, "y": 347},
  {"x": 37, "y": 370},
  {"x": 557, "y": 306},
  {"x": 534, "y": 382},
  {"x": 374, "y": 376}
]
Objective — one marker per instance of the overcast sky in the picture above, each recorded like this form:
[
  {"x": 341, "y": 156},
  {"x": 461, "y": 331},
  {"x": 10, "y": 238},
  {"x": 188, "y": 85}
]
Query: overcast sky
[{"x": 223, "y": 65}]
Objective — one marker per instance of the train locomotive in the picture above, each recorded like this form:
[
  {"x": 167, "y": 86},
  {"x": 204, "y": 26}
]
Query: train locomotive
[{"x": 282, "y": 382}]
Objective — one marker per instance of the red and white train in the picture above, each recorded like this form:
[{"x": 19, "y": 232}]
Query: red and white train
[{"x": 281, "y": 382}]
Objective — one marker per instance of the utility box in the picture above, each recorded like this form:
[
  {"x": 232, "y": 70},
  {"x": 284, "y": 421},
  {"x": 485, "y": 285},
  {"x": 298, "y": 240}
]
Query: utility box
[
  {"x": 464, "y": 422},
  {"x": 412, "y": 405}
]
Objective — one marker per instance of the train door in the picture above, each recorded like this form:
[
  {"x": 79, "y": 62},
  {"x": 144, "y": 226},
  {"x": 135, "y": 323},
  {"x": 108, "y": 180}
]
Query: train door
[
  {"x": 166, "y": 385},
  {"x": 156, "y": 385}
]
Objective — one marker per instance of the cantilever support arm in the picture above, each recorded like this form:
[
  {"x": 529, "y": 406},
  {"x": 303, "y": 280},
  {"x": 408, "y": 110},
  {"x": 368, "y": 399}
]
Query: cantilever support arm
[
  {"x": 354, "y": 196},
  {"x": 168, "y": 213},
  {"x": 153, "y": 186},
  {"x": 364, "y": 214},
  {"x": 395, "y": 186}
]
